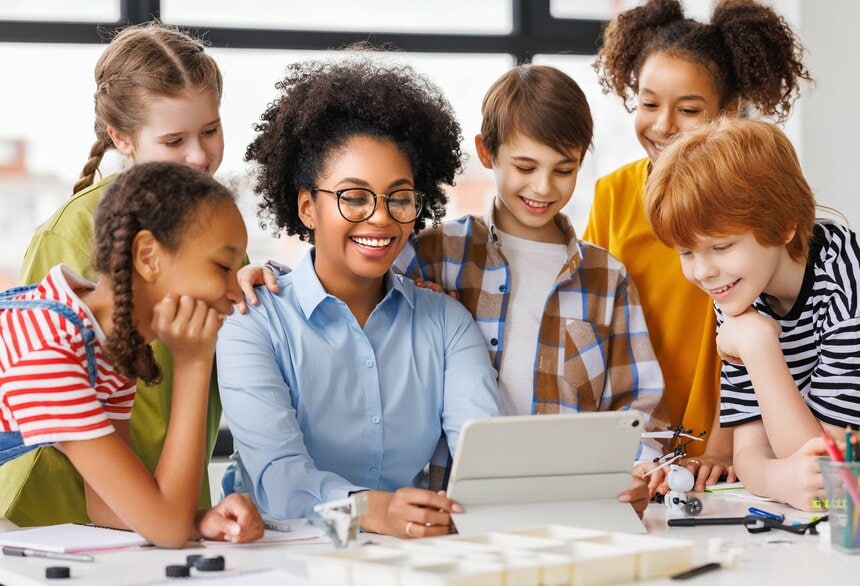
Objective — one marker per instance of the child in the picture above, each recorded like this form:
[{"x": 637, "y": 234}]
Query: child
[
  {"x": 354, "y": 371},
  {"x": 681, "y": 72},
  {"x": 560, "y": 318},
  {"x": 157, "y": 99},
  {"x": 730, "y": 197},
  {"x": 168, "y": 243}
]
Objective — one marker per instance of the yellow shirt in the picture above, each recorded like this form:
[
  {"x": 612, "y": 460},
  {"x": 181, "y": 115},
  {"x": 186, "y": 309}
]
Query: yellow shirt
[
  {"x": 680, "y": 317},
  {"x": 42, "y": 487}
]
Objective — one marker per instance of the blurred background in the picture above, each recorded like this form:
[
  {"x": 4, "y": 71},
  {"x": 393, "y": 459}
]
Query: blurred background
[{"x": 48, "y": 50}]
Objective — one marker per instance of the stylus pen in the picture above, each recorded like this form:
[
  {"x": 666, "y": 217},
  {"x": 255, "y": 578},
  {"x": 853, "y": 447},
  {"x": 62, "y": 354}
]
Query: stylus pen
[
  {"x": 693, "y": 572},
  {"x": 693, "y": 521},
  {"x": 38, "y": 553}
]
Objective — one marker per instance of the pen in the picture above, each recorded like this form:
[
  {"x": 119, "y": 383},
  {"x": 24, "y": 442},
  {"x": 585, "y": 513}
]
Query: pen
[
  {"x": 38, "y": 553},
  {"x": 693, "y": 572},
  {"x": 693, "y": 521},
  {"x": 766, "y": 514}
]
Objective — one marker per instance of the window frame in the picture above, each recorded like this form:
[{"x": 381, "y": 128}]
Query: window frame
[{"x": 534, "y": 30}]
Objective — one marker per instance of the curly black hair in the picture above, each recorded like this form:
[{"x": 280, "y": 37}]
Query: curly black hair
[
  {"x": 324, "y": 104},
  {"x": 750, "y": 51},
  {"x": 164, "y": 198}
]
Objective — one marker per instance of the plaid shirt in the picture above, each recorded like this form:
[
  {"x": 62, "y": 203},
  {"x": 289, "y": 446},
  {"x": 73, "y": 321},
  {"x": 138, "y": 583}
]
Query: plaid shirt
[{"x": 593, "y": 351}]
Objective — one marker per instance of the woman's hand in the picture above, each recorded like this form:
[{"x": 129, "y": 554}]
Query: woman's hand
[
  {"x": 187, "y": 326},
  {"x": 637, "y": 495},
  {"x": 708, "y": 468},
  {"x": 409, "y": 512},
  {"x": 249, "y": 277},
  {"x": 434, "y": 286},
  {"x": 648, "y": 471},
  {"x": 234, "y": 519}
]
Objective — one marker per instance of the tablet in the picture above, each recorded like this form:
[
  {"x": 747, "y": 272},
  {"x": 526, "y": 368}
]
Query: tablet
[{"x": 526, "y": 471}]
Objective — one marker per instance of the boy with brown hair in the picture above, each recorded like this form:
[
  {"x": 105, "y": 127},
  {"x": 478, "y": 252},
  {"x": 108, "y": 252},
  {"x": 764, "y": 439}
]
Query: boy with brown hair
[{"x": 561, "y": 318}]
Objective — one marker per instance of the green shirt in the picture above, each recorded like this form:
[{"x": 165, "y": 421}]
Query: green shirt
[{"x": 42, "y": 487}]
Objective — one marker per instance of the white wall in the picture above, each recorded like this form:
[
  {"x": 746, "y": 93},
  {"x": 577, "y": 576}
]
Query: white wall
[{"x": 830, "y": 122}]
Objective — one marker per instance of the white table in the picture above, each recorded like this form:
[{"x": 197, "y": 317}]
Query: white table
[{"x": 776, "y": 558}]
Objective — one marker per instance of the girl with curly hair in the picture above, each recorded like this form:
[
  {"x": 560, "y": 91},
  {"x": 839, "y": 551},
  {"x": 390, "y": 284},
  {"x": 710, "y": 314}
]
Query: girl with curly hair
[
  {"x": 680, "y": 72},
  {"x": 157, "y": 98},
  {"x": 356, "y": 371},
  {"x": 168, "y": 243}
]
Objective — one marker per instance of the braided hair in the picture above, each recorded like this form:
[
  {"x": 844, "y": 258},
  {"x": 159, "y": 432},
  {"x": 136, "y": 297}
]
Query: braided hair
[
  {"x": 749, "y": 50},
  {"x": 141, "y": 62},
  {"x": 164, "y": 198}
]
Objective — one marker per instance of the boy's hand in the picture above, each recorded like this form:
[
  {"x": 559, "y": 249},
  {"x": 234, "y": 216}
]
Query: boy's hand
[
  {"x": 234, "y": 519},
  {"x": 187, "y": 326},
  {"x": 409, "y": 512},
  {"x": 637, "y": 495},
  {"x": 434, "y": 286},
  {"x": 798, "y": 481},
  {"x": 746, "y": 332},
  {"x": 249, "y": 277}
]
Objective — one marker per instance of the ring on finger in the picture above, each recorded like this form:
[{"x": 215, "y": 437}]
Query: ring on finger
[
  {"x": 409, "y": 528},
  {"x": 694, "y": 461}
]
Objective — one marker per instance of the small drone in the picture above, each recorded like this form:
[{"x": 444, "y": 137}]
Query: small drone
[
  {"x": 339, "y": 519},
  {"x": 679, "y": 478}
]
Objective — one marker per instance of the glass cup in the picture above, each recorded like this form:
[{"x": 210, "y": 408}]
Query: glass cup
[{"x": 842, "y": 491}]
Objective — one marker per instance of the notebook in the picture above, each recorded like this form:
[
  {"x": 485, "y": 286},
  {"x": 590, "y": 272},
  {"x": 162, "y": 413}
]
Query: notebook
[{"x": 72, "y": 538}]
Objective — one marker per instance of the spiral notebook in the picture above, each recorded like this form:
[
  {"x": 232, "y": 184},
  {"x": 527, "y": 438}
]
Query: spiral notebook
[{"x": 72, "y": 538}]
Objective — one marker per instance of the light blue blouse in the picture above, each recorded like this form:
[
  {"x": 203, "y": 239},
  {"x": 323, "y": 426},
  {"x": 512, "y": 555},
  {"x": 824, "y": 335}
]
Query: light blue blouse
[{"x": 320, "y": 407}]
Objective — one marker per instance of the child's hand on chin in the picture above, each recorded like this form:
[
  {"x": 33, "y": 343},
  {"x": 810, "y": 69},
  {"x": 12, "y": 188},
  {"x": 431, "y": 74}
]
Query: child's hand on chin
[
  {"x": 234, "y": 519},
  {"x": 744, "y": 333},
  {"x": 187, "y": 326}
]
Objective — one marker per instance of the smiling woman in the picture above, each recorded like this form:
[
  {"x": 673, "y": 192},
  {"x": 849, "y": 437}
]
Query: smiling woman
[{"x": 393, "y": 366}]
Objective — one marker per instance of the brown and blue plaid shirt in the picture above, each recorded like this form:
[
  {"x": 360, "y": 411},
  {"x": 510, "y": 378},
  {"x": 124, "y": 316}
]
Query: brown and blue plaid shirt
[{"x": 593, "y": 350}]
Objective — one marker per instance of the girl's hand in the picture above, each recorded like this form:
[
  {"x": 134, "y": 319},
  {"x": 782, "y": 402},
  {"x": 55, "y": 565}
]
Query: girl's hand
[
  {"x": 707, "y": 470},
  {"x": 653, "y": 479},
  {"x": 234, "y": 519},
  {"x": 249, "y": 277},
  {"x": 747, "y": 331},
  {"x": 434, "y": 286},
  {"x": 187, "y": 326},
  {"x": 637, "y": 495},
  {"x": 409, "y": 512}
]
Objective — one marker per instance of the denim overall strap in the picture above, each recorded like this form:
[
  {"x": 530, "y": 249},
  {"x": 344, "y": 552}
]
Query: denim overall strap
[
  {"x": 89, "y": 336},
  {"x": 12, "y": 446},
  {"x": 11, "y": 442}
]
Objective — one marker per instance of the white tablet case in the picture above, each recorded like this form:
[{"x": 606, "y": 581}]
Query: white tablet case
[{"x": 526, "y": 471}]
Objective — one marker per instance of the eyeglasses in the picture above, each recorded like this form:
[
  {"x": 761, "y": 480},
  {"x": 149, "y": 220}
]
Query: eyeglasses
[{"x": 357, "y": 204}]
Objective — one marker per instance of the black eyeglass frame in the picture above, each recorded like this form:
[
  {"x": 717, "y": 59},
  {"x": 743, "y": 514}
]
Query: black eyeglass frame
[{"x": 419, "y": 202}]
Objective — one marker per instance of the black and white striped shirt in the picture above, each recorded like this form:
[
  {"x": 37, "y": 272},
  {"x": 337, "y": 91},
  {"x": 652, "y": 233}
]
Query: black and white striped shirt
[{"x": 819, "y": 336}]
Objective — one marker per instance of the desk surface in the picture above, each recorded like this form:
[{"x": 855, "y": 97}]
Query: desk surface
[{"x": 775, "y": 558}]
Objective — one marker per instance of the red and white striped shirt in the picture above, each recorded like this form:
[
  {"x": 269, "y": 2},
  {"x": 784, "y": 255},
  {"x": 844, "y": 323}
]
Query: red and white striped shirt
[{"x": 45, "y": 392}]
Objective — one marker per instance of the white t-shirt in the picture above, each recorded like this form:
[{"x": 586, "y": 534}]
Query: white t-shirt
[{"x": 534, "y": 267}]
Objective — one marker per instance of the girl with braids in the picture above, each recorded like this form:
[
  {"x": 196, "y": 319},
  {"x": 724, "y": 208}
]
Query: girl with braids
[
  {"x": 157, "y": 99},
  {"x": 356, "y": 371},
  {"x": 680, "y": 72},
  {"x": 168, "y": 243}
]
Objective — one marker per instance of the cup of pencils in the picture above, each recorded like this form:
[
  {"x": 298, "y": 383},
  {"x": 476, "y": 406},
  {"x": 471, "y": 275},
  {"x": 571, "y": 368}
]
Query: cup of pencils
[{"x": 842, "y": 490}]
